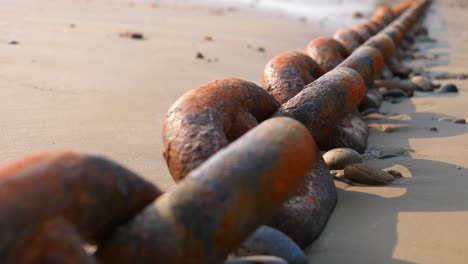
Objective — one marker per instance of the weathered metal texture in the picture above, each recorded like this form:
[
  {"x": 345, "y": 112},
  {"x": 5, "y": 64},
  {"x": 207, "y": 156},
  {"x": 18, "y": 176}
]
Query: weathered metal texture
[
  {"x": 364, "y": 31},
  {"x": 367, "y": 61},
  {"x": 325, "y": 102},
  {"x": 304, "y": 216},
  {"x": 379, "y": 25},
  {"x": 394, "y": 33},
  {"x": 206, "y": 119},
  {"x": 383, "y": 43},
  {"x": 349, "y": 39},
  {"x": 92, "y": 193},
  {"x": 384, "y": 14},
  {"x": 374, "y": 28},
  {"x": 327, "y": 52},
  {"x": 288, "y": 73},
  {"x": 218, "y": 205},
  {"x": 53, "y": 241},
  {"x": 351, "y": 132}
]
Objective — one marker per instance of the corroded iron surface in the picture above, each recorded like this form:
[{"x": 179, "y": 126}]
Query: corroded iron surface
[
  {"x": 53, "y": 241},
  {"x": 367, "y": 61},
  {"x": 92, "y": 193},
  {"x": 288, "y": 73},
  {"x": 304, "y": 216},
  {"x": 206, "y": 119},
  {"x": 218, "y": 205},
  {"x": 327, "y": 52},
  {"x": 383, "y": 43},
  {"x": 349, "y": 39},
  {"x": 325, "y": 102},
  {"x": 384, "y": 14},
  {"x": 364, "y": 31}
]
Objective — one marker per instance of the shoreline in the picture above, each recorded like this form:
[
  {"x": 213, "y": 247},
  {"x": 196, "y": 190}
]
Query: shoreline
[{"x": 86, "y": 88}]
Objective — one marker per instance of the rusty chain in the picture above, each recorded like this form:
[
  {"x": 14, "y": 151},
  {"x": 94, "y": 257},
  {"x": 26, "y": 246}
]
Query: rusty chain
[{"x": 242, "y": 155}]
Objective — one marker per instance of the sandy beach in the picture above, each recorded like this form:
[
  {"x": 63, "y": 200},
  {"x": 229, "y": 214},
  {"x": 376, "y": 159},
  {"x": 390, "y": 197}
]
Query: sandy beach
[{"x": 72, "y": 81}]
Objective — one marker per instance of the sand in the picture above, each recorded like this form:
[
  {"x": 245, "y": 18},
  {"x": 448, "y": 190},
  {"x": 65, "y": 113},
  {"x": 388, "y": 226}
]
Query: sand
[
  {"x": 72, "y": 82},
  {"x": 422, "y": 217}
]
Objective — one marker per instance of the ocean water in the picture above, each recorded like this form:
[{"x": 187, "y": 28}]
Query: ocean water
[{"x": 331, "y": 14}]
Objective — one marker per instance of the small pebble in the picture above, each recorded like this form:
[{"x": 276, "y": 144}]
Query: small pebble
[
  {"x": 433, "y": 129},
  {"x": 261, "y": 49},
  {"x": 389, "y": 155},
  {"x": 445, "y": 119},
  {"x": 394, "y": 93},
  {"x": 357, "y": 14},
  {"x": 395, "y": 173},
  {"x": 448, "y": 88},
  {"x": 388, "y": 129},
  {"x": 420, "y": 31},
  {"x": 423, "y": 83},
  {"x": 339, "y": 158},
  {"x": 13, "y": 42},
  {"x": 460, "y": 121},
  {"x": 72, "y": 25},
  {"x": 132, "y": 35},
  {"x": 200, "y": 56},
  {"x": 364, "y": 174},
  {"x": 459, "y": 168},
  {"x": 337, "y": 173},
  {"x": 208, "y": 38}
]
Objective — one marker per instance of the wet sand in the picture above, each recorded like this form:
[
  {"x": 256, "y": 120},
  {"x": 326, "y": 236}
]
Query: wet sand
[{"x": 72, "y": 82}]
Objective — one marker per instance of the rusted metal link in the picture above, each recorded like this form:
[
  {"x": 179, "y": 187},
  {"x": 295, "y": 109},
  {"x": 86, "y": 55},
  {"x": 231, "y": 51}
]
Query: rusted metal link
[
  {"x": 92, "y": 193},
  {"x": 53, "y": 241},
  {"x": 219, "y": 204},
  {"x": 327, "y": 52},
  {"x": 383, "y": 43},
  {"x": 305, "y": 215},
  {"x": 272, "y": 172},
  {"x": 325, "y": 102},
  {"x": 367, "y": 61},
  {"x": 287, "y": 74},
  {"x": 206, "y": 119},
  {"x": 349, "y": 39}
]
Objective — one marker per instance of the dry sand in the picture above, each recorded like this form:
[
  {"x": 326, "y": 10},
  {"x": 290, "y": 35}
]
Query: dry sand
[{"x": 72, "y": 82}]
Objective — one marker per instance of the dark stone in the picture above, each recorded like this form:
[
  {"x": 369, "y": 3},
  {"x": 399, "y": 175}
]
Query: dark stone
[
  {"x": 448, "y": 88},
  {"x": 357, "y": 14},
  {"x": 394, "y": 93},
  {"x": 200, "y": 56},
  {"x": 445, "y": 119},
  {"x": 13, "y": 42},
  {"x": 339, "y": 158},
  {"x": 423, "y": 83},
  {"x": 433, "y": 129},
  {"x": 460, "y": 121},
  {"x": 269, "y": 241},
  {"x": 389, "y": 156}
]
